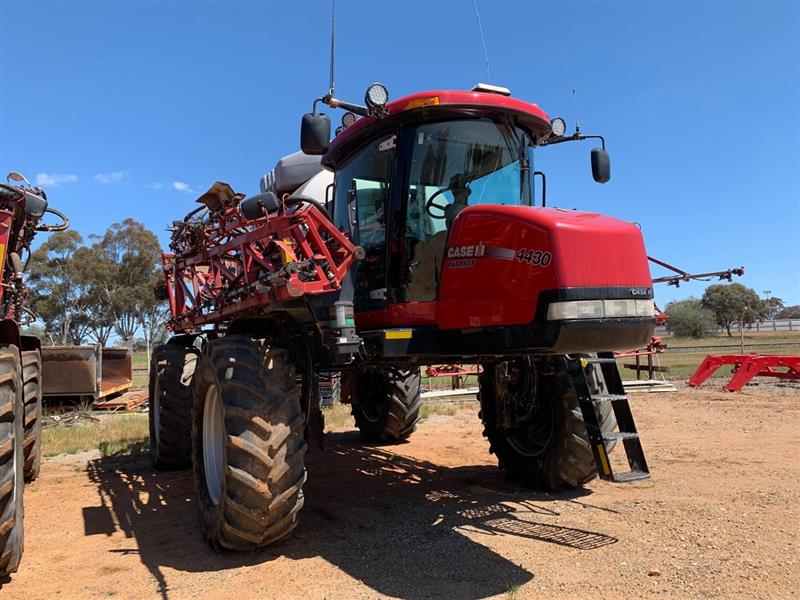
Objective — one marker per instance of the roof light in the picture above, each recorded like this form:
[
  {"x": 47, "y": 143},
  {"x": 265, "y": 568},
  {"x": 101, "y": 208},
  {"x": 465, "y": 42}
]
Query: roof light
[
  {"x": 488, "y": 88},
  {"x": 348, "y": 119},
  {"x": 427, "y": 101}
]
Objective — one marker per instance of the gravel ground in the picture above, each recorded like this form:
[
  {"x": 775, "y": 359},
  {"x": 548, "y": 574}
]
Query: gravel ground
[{"x": 434, "y": 518}]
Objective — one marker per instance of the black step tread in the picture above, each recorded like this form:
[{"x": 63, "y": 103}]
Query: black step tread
[
  {"x": 620, "y": 435},
  {"x": 630, "y": 476}
]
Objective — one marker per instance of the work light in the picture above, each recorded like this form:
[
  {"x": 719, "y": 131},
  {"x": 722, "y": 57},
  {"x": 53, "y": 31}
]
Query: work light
[
  {"x": 558, "y": 126},
  {"x": 376, "y": 97}
]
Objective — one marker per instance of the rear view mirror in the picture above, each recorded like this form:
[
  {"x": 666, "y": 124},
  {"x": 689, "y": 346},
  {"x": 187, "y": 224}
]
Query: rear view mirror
[
  {"x": 315, "y": 133},
  {"x": 601, "y": 165}
]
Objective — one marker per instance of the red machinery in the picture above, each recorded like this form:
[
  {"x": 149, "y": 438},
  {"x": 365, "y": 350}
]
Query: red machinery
[
  {"x": 426, "y": 246},
  {"x": 746, "y": 367},
  {"x": 22, "y": 208}
]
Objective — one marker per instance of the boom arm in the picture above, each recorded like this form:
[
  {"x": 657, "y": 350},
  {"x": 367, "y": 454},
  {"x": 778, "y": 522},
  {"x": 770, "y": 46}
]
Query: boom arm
[{"x": 225, "y": 265}]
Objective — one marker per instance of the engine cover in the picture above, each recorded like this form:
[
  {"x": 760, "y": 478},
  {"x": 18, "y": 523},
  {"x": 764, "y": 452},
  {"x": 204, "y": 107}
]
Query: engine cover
[{"x": 501, "y": 261}]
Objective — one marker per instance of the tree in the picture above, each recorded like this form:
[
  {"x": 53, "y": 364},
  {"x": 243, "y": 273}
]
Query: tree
[
  {"x": 773, "y": 305},
  {"x": 688, "y": 318},
  {"x": 59, "y": 288},
  {"x": 131, "y": 255},
  {"x": 153, "y": 318},
  {"x": 790, "y": 312},
  {"x": 733, "y": 303}
]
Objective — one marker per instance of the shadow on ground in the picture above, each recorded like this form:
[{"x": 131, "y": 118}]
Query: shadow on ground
[{"x": 392, "y": 522}]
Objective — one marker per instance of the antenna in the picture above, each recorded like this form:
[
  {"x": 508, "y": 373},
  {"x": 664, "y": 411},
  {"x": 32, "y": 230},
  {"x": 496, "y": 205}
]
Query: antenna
[
  {"x": 575, "y": 107},
  {"x": 483, "y": 42},
  {"x": 331, "y": 87}
]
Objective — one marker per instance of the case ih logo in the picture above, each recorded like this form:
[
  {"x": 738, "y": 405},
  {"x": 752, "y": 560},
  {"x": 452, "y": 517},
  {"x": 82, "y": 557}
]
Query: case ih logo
[
  {"x": 640, "y": 292},
  {"x": 475, "y": 250}
]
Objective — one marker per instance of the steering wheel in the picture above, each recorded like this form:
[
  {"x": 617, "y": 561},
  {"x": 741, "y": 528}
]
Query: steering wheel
[{"x": 430, "y": 204}]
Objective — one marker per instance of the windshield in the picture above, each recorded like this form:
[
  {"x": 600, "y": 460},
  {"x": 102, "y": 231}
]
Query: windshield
[{"x": 466, "y": 162}]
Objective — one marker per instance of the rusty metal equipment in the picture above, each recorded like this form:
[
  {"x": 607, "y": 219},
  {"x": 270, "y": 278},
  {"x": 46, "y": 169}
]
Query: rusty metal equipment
[
  {"x": 746, "y": 367},
  {"x": 649, "y": 352},
  {"x": 22, "y": 211},
  {"x": 86, "y": 371},
  {"x": 455, "y": 372}
]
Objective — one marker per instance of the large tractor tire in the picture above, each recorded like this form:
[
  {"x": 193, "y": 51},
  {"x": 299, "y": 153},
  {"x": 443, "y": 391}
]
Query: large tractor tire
[
  {"x": 248, "y": 445},
  {"x": 386, "y": 403},
  {"x": 549, "y": 448},
  {"x": 12, "y": 460},
  {"x": 171, "y": 371},
  {"x": 32, "y": 398}
]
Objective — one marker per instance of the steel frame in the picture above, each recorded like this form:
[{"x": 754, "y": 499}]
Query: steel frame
[
  {"x": 228, "y": 266},
  {"x": 746, "y": 367}
]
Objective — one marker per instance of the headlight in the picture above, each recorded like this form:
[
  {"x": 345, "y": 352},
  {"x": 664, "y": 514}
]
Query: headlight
[{"x": 600, "y": 309}]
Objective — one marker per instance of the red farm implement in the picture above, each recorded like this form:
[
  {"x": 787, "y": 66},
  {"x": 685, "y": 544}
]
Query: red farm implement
[
  {"x": 22, "y": 211},
  {"x": 233, "y": 263},
  {"x": 746, "y": 367}
]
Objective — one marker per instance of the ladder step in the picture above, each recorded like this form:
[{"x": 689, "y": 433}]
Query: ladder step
[
  {"x": 619, "y": 435},
  {"x": 600, "y": 361},
  {"x": 630, "y": 476},
  {"x": 602, "y": 399}
]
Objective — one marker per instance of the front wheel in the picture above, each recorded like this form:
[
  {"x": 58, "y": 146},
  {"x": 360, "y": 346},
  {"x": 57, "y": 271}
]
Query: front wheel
[
  {"x": 534, "y": 423},
  {"x": 172, "y": 368},
  {"x": 248, "y": 447},
  {"x": 386, "y": 403},
  {"x": 12, "y": 461}
]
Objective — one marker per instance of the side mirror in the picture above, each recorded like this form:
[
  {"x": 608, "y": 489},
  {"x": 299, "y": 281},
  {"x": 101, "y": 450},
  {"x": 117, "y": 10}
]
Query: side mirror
[
  {"x": 601, "y": 165},
  {"x": 315, "y": 133}
]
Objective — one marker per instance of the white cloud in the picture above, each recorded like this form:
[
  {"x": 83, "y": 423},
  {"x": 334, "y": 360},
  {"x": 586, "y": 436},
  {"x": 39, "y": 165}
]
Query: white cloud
[
  {"x": 112, "y": 177},
  {"x": 182, "y": 186},
  {"x": 154, "y": 186},
  {"x": 54, "y": 179}
]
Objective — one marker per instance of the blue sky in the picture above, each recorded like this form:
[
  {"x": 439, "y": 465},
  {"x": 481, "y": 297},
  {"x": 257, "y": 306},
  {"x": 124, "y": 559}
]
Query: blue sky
[{"x": 134, "y": 108}]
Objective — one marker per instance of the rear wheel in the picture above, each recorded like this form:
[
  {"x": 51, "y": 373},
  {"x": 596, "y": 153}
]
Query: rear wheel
[
  {"x": 248, "y": 447},
  {"x": 32, "y": 398},
  {"x": 11, "y": 460},
  {"x": 171, "y": 371},
  {"x": 534, "y": 423},
  {"x": 386, "y": 403}
]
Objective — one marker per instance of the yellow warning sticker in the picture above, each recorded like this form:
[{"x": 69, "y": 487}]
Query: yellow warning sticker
[
  {"x": 399, "y": 334},
  {"x": 601, "y": 450}
]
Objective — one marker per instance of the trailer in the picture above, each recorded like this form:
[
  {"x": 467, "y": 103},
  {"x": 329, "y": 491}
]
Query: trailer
[{"x": 88, "y": 372}]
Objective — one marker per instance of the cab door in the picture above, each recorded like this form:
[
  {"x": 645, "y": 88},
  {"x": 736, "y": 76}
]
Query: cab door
[{"x": 363, "y": 193}]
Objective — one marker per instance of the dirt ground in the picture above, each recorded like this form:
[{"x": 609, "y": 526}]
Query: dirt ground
[{"x": 434, "y": 518}]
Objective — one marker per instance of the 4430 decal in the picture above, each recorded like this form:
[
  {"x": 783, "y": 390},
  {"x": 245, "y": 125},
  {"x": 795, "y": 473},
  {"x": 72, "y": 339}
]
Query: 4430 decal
[{"x": 540, "y": 258}]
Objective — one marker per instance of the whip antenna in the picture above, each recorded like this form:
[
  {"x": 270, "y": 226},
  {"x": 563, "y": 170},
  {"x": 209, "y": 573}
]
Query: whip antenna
[
  {"x": 483, "y": 43},
  {"x": 333, "y": 46}
]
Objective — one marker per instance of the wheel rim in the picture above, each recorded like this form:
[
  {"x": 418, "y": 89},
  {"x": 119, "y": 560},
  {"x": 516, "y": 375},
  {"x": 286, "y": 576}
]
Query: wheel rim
[
  {"x": 534, "y": 433},
  {"x": 213, "y": 443}
]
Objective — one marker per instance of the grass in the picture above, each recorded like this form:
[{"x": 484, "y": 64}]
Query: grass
[
  {"x": 337, "y": 416},
  {"x": 113, "y": 435}
]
